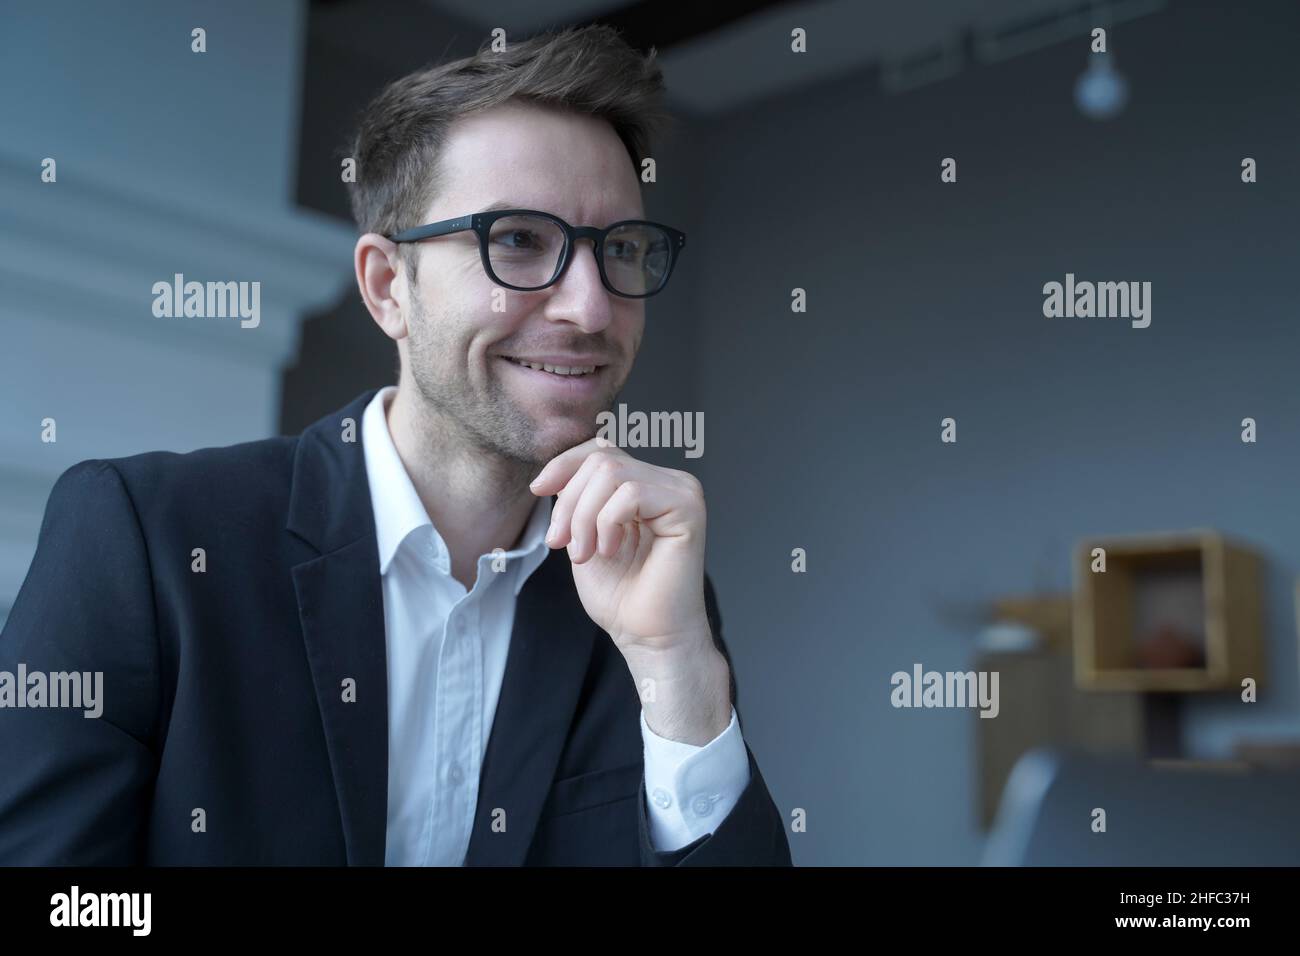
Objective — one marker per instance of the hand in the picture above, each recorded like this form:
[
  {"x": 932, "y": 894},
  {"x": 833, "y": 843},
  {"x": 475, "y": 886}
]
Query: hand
[{"x": 635, "y": 536}]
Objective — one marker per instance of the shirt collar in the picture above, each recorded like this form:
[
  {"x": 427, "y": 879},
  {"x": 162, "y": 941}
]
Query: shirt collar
[
  {"x": 399, "y": 512},
  {"x": 532, "y": 550}
]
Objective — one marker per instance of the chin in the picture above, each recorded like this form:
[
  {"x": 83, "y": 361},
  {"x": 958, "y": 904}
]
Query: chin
[{"x": 556, "y": 436}]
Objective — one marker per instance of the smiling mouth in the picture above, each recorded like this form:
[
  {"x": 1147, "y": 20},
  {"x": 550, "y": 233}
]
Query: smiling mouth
[{"x": 561, "y": 371}]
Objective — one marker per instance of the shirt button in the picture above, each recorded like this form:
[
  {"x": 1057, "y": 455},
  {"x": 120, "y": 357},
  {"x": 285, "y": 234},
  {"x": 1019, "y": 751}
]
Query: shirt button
[
  {"x": 661, "y": 798},
  {"x": 460, "y": 625},
  {"x": 454, "y": 773},
  {"x": 702, "y": 805}
]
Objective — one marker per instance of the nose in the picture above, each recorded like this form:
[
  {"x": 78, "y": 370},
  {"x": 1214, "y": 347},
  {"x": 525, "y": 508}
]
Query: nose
[{"x": 579, "y": 296}]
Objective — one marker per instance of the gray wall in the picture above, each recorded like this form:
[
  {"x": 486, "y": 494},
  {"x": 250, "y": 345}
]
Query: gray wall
[{"x": 924, "y": 302}]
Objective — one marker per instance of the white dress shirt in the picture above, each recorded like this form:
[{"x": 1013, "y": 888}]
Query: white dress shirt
[{"x": 446, "y": 662}]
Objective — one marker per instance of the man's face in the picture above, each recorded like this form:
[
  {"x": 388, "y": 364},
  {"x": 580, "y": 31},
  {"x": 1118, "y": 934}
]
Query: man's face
[{"x": 460, "y": 352}]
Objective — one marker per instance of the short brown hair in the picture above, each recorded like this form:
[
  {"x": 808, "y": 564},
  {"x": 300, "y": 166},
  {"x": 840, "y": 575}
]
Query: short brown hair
[{"x": 588, "y": 69}]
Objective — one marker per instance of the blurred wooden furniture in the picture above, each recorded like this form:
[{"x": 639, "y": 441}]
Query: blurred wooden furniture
[{"x": 1222, "y": 648}]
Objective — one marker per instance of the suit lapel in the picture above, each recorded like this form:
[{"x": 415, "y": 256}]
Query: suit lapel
[
  {"x": 340, "y": 607},
  {"x": 550, "y": 649}
]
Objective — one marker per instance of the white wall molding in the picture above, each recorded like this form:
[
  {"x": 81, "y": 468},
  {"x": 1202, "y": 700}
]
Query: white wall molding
[
  {"x": 168, "y": 161},
  {"x": 89, "y": 252}
]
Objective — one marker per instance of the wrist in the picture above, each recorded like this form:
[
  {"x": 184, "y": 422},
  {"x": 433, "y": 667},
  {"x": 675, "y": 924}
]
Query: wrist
[{"x": 685, "y": 692}]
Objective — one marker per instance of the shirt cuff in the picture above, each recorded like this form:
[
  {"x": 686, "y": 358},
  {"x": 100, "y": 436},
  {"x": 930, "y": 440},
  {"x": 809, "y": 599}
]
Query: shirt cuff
[{"x": 690, "y": 789}]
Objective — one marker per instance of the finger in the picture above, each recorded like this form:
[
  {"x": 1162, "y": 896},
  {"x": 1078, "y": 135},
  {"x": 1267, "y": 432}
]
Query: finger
[
  {"x": 609, "y": 539},
  {"x": 617, "y": 518},
  {"x": 562, "y": 514},
  {"x": 656, "y": 506},
  {"x": 560, "y": 469},
  {"x": 606, "y": 477}
]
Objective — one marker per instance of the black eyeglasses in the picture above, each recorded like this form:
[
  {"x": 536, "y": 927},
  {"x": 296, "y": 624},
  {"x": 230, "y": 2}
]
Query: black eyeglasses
[{"x": 527, "y": 250}]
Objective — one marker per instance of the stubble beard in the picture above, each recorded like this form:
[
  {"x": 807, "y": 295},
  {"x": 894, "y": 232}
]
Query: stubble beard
[{"x": 454, "y": 409}]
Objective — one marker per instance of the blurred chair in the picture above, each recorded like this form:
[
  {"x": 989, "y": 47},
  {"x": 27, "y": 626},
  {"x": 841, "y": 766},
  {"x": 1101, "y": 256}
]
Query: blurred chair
[{"x": 1193, "y": 814}]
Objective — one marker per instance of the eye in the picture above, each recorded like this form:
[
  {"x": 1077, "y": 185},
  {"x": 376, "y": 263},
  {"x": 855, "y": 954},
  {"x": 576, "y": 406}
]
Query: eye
[{"x": 518, "y": 239}]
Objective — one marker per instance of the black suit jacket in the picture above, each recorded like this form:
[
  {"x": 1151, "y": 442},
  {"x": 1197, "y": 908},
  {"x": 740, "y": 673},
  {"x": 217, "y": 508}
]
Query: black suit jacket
[{"x": 223, "y": 690}]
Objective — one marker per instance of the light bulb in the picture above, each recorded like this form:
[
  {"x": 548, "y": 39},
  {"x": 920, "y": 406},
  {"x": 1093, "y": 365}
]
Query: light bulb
[{"x": 1100, "y": 92}]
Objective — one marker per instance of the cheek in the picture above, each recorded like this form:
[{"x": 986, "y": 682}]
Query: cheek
[
  {"x": 635, "y": 326},
  {"x": 458, "y": 324},
  {"x": 500, "y": 314},
  {"x": 484, "y": 331},
  {"x": 459, "y": 301}
]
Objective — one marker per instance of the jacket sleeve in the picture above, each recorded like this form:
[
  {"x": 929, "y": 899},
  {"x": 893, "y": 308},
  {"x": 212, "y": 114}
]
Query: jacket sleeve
[
  {"x": 76, "y": 788},
  {"x": 753, "y": 833}
]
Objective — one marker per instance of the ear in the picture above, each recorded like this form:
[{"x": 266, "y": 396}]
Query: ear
[{"x": 383, "y": 287}]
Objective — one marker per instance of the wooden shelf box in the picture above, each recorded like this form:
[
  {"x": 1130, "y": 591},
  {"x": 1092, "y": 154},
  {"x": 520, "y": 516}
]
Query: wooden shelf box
[{"x": 1171, "y": 613}]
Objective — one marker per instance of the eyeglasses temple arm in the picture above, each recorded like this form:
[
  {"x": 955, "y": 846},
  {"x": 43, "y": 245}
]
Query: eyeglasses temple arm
[{"x": 446, "y": 227}]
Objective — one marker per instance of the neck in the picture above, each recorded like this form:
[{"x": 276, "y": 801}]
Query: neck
[{"x": 476, "y": 500}]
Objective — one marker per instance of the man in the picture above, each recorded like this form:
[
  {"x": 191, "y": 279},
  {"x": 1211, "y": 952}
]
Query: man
[{"x": 356, "y": 646}]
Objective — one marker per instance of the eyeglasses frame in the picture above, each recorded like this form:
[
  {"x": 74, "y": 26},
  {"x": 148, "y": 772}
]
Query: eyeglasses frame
[{"x": 481, "y": 224}]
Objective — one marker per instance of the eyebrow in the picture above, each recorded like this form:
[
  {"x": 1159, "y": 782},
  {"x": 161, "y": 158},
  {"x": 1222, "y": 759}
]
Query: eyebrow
[
  {"x": 510, "y": 204},
  {"x": 505, "y": 204}
]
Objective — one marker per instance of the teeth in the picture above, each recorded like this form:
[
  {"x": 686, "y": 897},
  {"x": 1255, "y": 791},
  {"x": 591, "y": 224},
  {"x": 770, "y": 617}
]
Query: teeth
[{"x": 558, "y": 369}]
